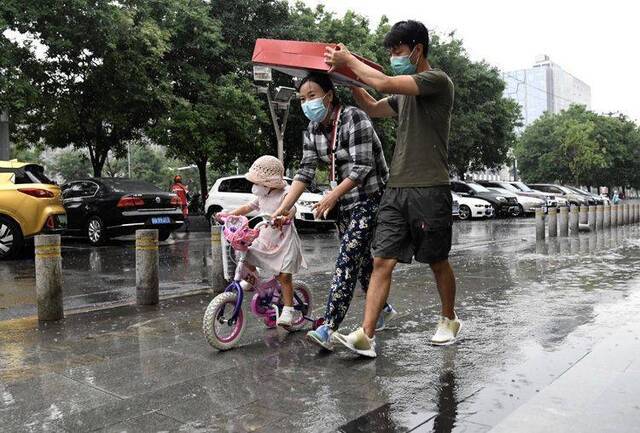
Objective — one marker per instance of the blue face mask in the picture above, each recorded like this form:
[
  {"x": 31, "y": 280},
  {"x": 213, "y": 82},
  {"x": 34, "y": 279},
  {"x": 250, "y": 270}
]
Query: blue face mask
[
  {"x": 401, "y": 65},
  {"x": 315, "y": 109}
]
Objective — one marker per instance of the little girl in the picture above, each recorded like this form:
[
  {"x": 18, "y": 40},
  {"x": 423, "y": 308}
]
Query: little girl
[{"x": 278, "y": 249}]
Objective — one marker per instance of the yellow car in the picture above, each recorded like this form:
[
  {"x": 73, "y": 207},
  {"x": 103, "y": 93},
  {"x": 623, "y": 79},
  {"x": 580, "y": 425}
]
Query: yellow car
[{"x": 30, "y": 204}]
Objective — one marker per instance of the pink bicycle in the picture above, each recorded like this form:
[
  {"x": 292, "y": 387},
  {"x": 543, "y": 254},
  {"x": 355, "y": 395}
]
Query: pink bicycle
[{"x": 224, "y": 318}]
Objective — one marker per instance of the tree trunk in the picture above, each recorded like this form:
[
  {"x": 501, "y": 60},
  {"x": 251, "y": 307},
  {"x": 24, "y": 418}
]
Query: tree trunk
[
  {"x": 204, "y": 188},
  {"x": 97, "y": 161}
]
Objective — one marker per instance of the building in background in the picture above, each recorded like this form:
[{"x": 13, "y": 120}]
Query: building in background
[{"x": 545, "y": 87}]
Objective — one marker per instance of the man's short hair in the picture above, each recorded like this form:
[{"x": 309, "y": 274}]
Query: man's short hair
[{"x": 410, "y": 33}]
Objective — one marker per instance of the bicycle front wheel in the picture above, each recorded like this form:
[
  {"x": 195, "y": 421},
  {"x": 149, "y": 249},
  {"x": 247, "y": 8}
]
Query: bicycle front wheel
[{"x": 219, "y": 330}]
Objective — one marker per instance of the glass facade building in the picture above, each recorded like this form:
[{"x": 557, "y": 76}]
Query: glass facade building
[{"x": 545, "y": 87}]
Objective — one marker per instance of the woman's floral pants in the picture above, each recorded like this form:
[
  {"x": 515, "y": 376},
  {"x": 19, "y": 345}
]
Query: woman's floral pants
[{"x": 355, "y": 229}]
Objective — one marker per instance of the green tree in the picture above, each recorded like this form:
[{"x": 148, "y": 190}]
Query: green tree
[
  {"x": 100, "y": 81},
  {"x": 581, "y": 147},
  {"x": 213, "y": 113},
  {"x": 69, "y": 164}
]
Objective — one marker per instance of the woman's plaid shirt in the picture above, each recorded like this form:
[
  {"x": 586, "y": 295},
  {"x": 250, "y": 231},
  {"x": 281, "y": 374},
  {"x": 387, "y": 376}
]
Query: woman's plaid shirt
[{"x": 359, "y": 155}]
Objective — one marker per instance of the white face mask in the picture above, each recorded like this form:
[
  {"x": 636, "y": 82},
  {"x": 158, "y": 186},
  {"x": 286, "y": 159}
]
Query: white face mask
[{"x": 260, "y": 190}]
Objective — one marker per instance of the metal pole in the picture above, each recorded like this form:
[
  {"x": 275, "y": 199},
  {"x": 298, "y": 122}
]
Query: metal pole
[
  {"x": 614, "y": 215},
  {"x": 129, "y": 158},
  {"x": 564, "y": 221},
  {"x": 276, "y": 126},
  {"x": 584, "y": 214},
  {"x": 574, "y": 221},
  {"x": 147, "y": 267},
  {"x": 607, "y": 217},
  {"x": 217, "y": 268},
  {"x": 539, "y": 225},
  {"x": 599, "y": 217},
  {"x": 592, "y": 218},
  {"x": 626, "y": 213},
  {"x": 553, "y": 222},
  {"x": 5, "y": 147},
  {"x": 49, "y": 277}
]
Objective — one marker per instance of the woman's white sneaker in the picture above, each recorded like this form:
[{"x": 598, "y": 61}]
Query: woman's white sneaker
[{"x": 447, "y": 331}]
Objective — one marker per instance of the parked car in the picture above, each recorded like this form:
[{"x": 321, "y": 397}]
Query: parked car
[
  {"x": 526, "y": 205},
  {"x": 101, "y": 208},
  {"x": 455, "y": 207},
  {"x": 561, "y": 191},
  {"x": 520, "y": 186},
  {"x": 473, "y": 207},
  {"x": 548, "y": 199},
  {"x": 599, "y": 200},
  {"x": 231, "y": 192},
  {"x": 30, "y": 204},
  {"x": 502, "y": 205}
]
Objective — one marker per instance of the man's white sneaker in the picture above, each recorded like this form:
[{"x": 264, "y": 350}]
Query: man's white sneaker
[
  {"x": 357, "y": 342},
  {"x": 286, "y": 318},
  {"x": 447, "y": 331}
]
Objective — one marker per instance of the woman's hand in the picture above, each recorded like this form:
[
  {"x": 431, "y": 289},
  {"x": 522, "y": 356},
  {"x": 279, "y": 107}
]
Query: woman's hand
[{"x": 325, "y": 205}]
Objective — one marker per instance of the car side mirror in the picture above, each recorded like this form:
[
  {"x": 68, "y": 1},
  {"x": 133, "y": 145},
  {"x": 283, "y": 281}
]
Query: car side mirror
[{"x": 470, "y": 193}]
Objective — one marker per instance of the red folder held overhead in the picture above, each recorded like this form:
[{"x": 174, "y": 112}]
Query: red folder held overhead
[{"x": 298, "y": 58}]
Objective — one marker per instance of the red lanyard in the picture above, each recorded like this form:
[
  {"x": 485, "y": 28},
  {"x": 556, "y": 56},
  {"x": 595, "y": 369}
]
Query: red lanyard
[{"x": 332, "y": 149}]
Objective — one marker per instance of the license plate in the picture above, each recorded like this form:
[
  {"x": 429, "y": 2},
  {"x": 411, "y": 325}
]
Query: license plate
[{"x": 161, "y": 220}]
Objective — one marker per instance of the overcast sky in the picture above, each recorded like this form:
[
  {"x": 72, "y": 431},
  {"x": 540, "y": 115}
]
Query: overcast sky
[{"x": 598, "y": 42}]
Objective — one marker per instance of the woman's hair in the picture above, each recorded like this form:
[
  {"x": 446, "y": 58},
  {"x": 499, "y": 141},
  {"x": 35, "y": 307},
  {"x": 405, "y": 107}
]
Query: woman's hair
[{"x": 325, "y": 83}]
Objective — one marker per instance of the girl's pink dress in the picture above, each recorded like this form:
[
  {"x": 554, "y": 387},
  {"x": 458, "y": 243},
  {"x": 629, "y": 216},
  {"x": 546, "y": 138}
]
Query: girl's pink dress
[{"x": 275, "y": 250}]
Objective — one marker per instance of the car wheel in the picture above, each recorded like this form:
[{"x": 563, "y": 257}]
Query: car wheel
[
  {"x": 96, "y": 231},
  {"x": 518, "y": 212},
  {"x": 163, "y": 235},
  {"x": 11, "y": 240},
  {"x": 464, "y": 212}
]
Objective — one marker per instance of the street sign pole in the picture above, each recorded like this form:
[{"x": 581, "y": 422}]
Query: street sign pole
[
  {"x": 276, "y": 127},
  {"x": 5, "y": 149}
]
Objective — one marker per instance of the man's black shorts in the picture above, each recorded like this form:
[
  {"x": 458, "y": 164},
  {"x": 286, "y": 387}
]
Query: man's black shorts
[{"x": 414, "y": 222}]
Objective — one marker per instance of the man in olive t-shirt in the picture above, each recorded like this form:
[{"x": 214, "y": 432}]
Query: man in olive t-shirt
[{"x": 415, "y": 216}]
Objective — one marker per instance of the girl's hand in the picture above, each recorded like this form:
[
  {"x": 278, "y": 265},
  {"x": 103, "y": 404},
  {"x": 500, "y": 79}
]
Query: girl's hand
[
  {"x": 220, "y": 216},
  {"x": 325, "y": 205},
  {"x": 281, "y": 212}
]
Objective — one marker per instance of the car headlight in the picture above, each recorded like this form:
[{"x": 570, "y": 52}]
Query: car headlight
[
  {"x": 306, "y": 203},
  {"x": 478, "y": 205},
  {"x": 501, "y": 199}
]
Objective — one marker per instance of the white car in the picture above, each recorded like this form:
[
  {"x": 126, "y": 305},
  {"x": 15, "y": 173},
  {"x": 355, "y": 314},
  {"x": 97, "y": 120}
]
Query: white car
[
  {"x": 231, "y": 192},
  {"x": 527, "y": 204},
  {"x": 470, "y": 207}
]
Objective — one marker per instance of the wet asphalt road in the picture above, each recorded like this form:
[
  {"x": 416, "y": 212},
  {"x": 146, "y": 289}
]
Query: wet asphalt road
[
  {"x": 533, "y": 315},
  {"x": 102, "y": 276}
]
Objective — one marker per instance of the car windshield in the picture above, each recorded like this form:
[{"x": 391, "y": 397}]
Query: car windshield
[
  {"x": 128, "y": 185},
  {"x": 522, "y": 187},
  {"x": 579, "y": 191},
  {"x": 31, "y": 173},
  {"x": 508, "y": 187},
  {"x": 477, "y": 188}
]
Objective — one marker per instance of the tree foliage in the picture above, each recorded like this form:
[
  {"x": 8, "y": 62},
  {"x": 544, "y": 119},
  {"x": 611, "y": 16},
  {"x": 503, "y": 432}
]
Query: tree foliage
[
  {"x": 99, "y": 80},
  {"x": 580, "y": 147}
]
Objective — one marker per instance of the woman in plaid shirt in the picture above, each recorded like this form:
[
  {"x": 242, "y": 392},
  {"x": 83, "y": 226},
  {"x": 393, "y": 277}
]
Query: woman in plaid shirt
[{"x": 361, "y": 174}]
